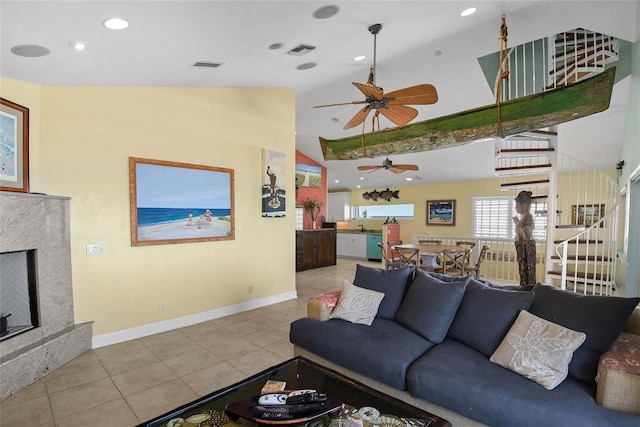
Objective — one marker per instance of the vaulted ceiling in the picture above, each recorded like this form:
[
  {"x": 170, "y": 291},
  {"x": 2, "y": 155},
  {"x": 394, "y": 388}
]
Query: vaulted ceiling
[{"x": 420, "y": 42}]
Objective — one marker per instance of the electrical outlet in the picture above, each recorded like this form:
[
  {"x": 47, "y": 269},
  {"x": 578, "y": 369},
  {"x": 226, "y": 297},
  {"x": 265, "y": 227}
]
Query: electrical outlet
[
  {"x": 93, "y": 249},
  {"x": 250, "y": 289},
  {"x": 162, "y": 308}
]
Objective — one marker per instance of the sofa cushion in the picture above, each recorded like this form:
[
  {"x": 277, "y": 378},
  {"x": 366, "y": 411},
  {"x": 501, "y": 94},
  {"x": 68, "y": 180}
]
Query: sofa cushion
[
  {"x": 538, "y": 349},
  {"x": 392, "y": 283},
  {"x": 486, "y": 314},
  {"x": 430, "y": 306},
  {"x": 357, "y": 305},
  {"x": 383, "y": 351},
  {"x": 458, "y": 378},
  {"x": 600, "y": 317}
]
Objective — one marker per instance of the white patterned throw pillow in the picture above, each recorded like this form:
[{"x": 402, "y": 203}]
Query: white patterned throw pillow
[
  {"x": 538, "y": 350},
  {"x": 357, "y": 305}
]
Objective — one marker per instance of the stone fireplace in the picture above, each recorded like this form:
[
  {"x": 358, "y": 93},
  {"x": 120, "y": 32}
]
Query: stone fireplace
[{"x": 39, "y": 225}]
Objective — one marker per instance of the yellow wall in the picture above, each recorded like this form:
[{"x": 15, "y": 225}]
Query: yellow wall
[
  {"x": 461, "y": 192},
  {"x": 81, "y": 140}
]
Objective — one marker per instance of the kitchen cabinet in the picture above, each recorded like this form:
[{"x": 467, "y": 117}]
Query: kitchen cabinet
[
  {"x": 373, "y": 251},
  {"x": 339, "y": 206},
  {"x": 315, "y": 248},
  {"x": 352, "y": 245}
]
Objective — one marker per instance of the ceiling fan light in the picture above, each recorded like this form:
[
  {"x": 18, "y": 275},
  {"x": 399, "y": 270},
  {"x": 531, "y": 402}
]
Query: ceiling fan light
[{"x": 469, "y": 11}]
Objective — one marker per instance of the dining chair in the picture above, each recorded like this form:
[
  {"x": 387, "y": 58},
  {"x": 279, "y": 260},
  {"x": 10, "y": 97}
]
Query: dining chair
[
  {"x": 389, "y": 263},
  {"x": 475, "y": 269},
  {"x": 463, "y": 244},
  {"x": 430, "y": 262},
  {"x": 429, "y": 242},
  {"x": 409, "y": 256},
  {"x": 449, "y": 266}
]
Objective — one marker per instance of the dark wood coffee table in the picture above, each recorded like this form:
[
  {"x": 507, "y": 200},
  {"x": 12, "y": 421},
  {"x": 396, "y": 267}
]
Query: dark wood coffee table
[{"x": 301, "y": 373}]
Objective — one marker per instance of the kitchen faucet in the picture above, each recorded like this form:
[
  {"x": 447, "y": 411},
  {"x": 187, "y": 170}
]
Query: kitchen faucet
[{"x": 361, "y": 227}]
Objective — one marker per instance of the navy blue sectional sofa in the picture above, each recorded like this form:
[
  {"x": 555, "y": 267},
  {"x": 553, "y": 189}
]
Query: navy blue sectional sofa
[{"x": 432, "y": 338}]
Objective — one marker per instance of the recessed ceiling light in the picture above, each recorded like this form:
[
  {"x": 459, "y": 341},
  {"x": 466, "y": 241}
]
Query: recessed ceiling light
[
  {"x": 409, "y": 178},
  {"x": 360, "y": 58},
  {"x": 306, "y": 66},
  {"x": 335, "y": 119},
  {"x": 326, "y": 12},
  {"x": 30, "y": 50},
  {"x": 437, "y": 53},
  {"x": 362, "y": 178},
  {"x": 116, "y": 23},
  {"x": 336, "y": 181},
  {"x": 78, "y": 45},
  {"x": 275, "y": 46},
  {"x": 359, "y": 186},
  {"x": 468, "y": 12}
]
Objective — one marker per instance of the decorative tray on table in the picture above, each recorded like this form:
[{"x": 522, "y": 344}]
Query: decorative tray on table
[{"x": 251, "y": 410}]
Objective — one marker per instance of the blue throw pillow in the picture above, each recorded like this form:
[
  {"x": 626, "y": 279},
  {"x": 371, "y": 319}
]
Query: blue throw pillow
[
  {"x": 447, "y": 278},
  {"x": 430, "y": 306},
  {"x": 393, "y": 283},
  {"x": 600, "y": 317},
  {"x": 486, "y": 314}
]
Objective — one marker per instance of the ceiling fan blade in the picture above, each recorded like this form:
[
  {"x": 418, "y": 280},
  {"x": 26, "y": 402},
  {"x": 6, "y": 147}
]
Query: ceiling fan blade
[
  {"x": 415, "y": 95},
  {"x": 399, "y": 114},
  {"x": 358, "y": 118},
  {"x": 369, "y": 90},
  {"x": 367, "y": 168},
  {"x": 341, "y": 103},
  {"x": 407, "y": 167},
  {"x": 396, "y": 170}
]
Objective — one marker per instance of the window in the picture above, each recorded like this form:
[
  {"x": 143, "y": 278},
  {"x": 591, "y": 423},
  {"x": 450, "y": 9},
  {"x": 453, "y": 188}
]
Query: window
[
  {"x": 493, "y": 218},
  {"x": 299, "y": 218},
  {"x": 400, "y": 211}
]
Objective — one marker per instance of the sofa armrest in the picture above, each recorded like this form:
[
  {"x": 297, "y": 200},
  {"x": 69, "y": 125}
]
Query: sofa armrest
[
  {"x": 320, "y": 306},
  {"x": 619, "y": 375}
]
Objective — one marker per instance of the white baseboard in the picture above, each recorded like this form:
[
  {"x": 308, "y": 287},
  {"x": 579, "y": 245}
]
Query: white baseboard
[{"x": 192, "y": 319}]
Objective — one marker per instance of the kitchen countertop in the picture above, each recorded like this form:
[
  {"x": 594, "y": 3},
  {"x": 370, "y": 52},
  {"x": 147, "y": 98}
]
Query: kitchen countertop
[{"x": 358, "y": 231}]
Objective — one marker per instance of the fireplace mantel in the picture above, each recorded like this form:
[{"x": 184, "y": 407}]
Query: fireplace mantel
[{"x": 41, "y": 222}]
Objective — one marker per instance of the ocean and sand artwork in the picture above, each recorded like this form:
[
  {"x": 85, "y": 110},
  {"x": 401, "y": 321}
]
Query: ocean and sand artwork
[
  {"x": 308, "y": 175},
  {"x": 181, "y": 204}
]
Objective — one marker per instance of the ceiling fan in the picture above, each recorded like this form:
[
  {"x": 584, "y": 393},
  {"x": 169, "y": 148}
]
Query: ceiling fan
[
  {"x": 388, "y": 165},
  {"x": 392, "y": 105}
]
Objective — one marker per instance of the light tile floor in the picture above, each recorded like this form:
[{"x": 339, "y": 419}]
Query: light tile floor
[{"x": 128, "y": 383}]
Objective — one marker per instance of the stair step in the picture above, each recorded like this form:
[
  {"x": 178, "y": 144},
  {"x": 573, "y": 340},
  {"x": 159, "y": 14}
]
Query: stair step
[
  {"x": 591, "y": 277},
  {"x": 565, "y": 227},
  {"x": 522, "y": 152},
  {"x": 525, "y": 184},
  {"x": 520, "y": 170},
  {"x": 582, "y": 242},
  {"x": 535, "y": 133},
  {"x": 590, "y": 258}
]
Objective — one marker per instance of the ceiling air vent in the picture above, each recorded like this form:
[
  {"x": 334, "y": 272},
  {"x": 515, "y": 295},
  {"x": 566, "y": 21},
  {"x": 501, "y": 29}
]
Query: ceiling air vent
[
  {"x": 205, "y": 64},
  {"x": 301, "y": 49}
]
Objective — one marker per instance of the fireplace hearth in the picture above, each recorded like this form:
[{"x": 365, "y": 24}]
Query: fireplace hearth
[{"x": 37, "y": 228}]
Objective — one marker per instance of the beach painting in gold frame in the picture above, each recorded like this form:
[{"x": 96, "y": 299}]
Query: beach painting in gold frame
[{"x": 180, "y": 203}]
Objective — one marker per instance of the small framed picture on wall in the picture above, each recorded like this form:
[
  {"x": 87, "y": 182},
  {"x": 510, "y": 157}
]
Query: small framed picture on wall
[{"x": 441, "y": 212}]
